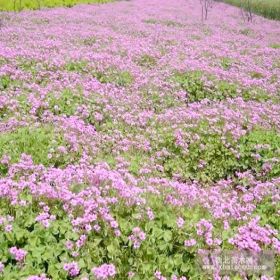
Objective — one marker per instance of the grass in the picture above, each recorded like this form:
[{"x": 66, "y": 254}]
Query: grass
[
  {"x": 267, "y": 8},
  {"x": 17, "y": 5}
]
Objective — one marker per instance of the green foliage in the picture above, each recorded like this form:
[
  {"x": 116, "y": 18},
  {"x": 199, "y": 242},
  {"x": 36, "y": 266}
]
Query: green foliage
[
  {"x": 265, "y": 143},
  {"x": 276, "y": 63},
  {"x": 147, "y": 61},
  {"x": 268, "y": 211},
  {"x": 192, "y": 83},
  {"x": 114, "y": 76},
  {"x": 256, "y": 75},
  {"x": 163, "y": 249},
  {"x": 45, "y": 246},
  {"x": 196, "y": 88},
  {"x": 226, "y": 63},
  {"x": 4, "y": 112},
  {"x": 28, "y": 66},
  {"x": 65, "y": 103},
  {"x": 5, "y": 81},
  {"x": 76, "y": 66},
  {"x": 37, "y": 142},
  {"x": 258, "y": 94},
  {"x": 206, "y": 159},
  {"x": 19, "y": 5},
  {"x": 3, "y": 60},
  {"x": 157, "y": 101},
  {"x": 169, "y": 23},
  {"x": 224, "y": 89},
  {"x": 275, "y": 46},
  {"x": 246, "y": 31},
  {"x": 90, "y": 41},
  {"x": 151, "y": 21},
  {"x": 267, "y": 8}
]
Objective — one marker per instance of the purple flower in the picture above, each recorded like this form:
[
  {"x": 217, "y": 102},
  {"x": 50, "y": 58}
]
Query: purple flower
[
  {"x": 180, "y": 222},
  {"x": 105, "y": 271},
  {"x": 1, "y": 267},
  {"x": 18, "y": 254},
  {"x": 190, "y": 242},
  {"x": 137, "y": 237},
  {"x": 72, "y": 269}
]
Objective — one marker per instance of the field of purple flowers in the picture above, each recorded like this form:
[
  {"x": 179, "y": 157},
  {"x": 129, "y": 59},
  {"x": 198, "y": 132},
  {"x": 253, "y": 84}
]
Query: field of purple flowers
[{"x": 134, "y": 136}]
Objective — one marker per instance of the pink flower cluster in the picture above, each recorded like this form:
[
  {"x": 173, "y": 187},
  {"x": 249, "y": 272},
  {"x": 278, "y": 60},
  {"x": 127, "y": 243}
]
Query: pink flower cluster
[
  {"x": 159, "y": 276},
  {"x": 72, "y": 269},
  {"x": 180, "y": 222},
  {"x": 253, "y": 236},
  {"x": 45, "y": 217},
  {"x": 174, "y": 277},
  {"x": 6, "y": 223},
  {"x": 105, "y": 271},
  {"x": 205, "y": 228},
  {"x": 137, "y": 237},
  {"x": 18, "y": 254},
  {"x": 40, "y": 277},
  {"x": 190, "y": 242}
]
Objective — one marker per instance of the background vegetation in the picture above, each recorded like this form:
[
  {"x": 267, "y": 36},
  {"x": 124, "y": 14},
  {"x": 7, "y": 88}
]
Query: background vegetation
[
  {"x": 35, "y": 4},
  {"x": 266, "y": 8}
]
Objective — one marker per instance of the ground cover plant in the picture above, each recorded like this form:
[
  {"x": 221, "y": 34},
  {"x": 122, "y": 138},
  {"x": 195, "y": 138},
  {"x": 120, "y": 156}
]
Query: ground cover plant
[{"x": 133, "y": 136}]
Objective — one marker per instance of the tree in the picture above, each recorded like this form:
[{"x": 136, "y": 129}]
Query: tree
[
  {"x": 205, "y": 6},
  {"x": 246, "y": 10}
]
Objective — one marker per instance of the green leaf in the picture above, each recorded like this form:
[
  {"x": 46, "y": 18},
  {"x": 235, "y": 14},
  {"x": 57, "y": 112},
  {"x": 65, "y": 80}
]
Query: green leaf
[{"x": 167, "y": 236}]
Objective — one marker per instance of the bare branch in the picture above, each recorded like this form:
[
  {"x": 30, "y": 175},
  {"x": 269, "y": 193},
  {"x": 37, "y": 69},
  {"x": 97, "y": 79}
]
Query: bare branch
[
  {"x": 246, "y": 10},
  {"x": 205, "y": 7}
]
